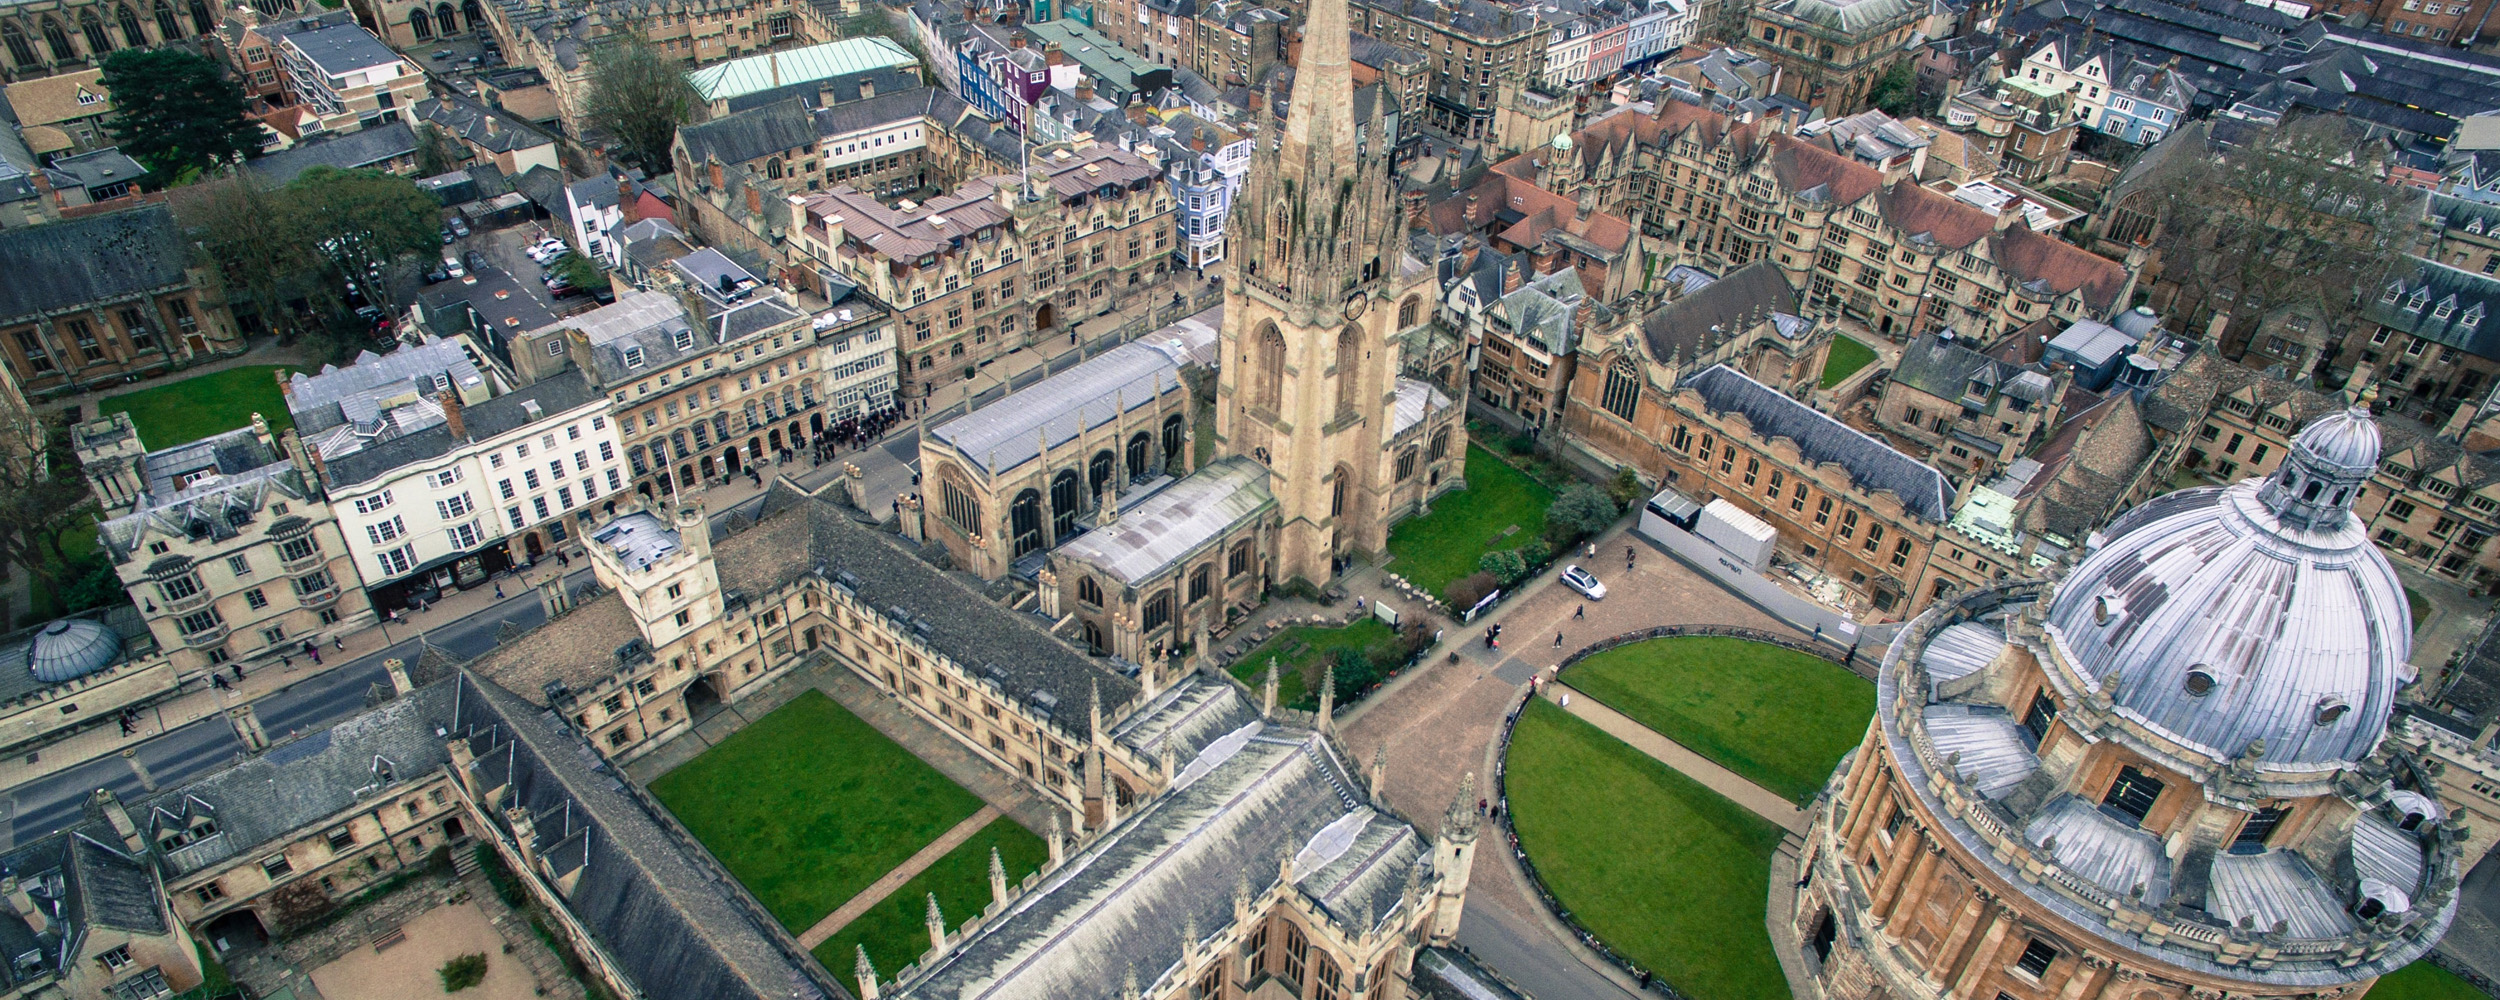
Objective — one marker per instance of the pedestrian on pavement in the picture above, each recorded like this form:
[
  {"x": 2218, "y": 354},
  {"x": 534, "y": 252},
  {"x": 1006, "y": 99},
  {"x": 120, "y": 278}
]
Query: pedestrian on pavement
[
  {"x": 1579, "y": 612},
  {"x": 286, "y": 662},
  {"x": 1557, "y": 640},
  {"x": 564, "y": 560},
  {"x": 1566, "y": 699},
  {"x": 337, "y": 643},
  {"x": 499, "y": 590},
  {"x": 218, "y": 681},
  {"x": 238, "y": 673},
  {"x": 316, "y": 653}
]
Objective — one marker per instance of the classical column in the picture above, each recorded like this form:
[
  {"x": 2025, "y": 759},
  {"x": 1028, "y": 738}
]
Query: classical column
[
  {"x": 1906, "y": 868},
  {"x": 2087, "y": 970},
  {"x": 1983, "y": 959},
  {"x": 1922, "y": 882},
  {"x": 1942, "y": 963}
]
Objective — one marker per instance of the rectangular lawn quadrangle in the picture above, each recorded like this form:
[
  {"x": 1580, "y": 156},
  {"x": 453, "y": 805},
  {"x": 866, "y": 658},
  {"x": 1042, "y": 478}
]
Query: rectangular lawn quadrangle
[
  {"x": 1668, "y": 873},
  {"x": 1778, "y": 717},
  {"x": 180, "y": 412},
  {"x": 809, "y": 805},
  {"x": 1441, "y": 546},
  {"x": 896, "y": 930}
]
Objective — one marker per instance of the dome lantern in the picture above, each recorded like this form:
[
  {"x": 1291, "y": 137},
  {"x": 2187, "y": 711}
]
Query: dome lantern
[{"x": 2315, "y": 488}]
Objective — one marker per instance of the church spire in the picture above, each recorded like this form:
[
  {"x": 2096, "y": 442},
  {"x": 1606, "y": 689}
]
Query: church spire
[{"x": 1321, "y": 117}]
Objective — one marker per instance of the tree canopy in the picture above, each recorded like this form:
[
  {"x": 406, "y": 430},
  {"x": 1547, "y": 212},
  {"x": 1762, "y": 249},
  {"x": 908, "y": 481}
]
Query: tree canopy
[
  {"x": 2300, "y": 216},
  {"x": 362, "y": 220},
  {"x": 176, "y": 112},
  {"x": 290, "y": 253},
  {"x": 639, "y": 95}
]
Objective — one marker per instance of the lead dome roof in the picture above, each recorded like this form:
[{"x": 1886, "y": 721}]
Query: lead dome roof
[{"x": 2222, "y": 623}]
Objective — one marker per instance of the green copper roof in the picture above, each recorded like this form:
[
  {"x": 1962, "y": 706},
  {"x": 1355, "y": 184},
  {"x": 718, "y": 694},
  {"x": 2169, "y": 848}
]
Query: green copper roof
[{"x": 743, "y": 76}]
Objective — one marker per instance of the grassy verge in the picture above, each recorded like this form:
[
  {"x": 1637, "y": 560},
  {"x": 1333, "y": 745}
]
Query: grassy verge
[
  {"x": 1846, "y": 357},
  {"x": 1667, "y": 873},
  {"x": 181, "y": 412},
  {"x": 2423, "y": 981},
  {"x": 809, "y": 805},
  {"x": 1501, "y": 508},
  {"x": 1778, "y": 717},
  {"x": 1302, "y": 655},
  {"x": 896, "y": 929}
]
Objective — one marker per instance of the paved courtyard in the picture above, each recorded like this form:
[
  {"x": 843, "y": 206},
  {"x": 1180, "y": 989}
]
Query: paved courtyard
[{"x": 408, "y": 969}]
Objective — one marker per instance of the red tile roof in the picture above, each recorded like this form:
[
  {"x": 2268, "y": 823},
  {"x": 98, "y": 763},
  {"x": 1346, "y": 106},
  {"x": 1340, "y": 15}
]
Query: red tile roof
[{"x": 2063, "y": 266}]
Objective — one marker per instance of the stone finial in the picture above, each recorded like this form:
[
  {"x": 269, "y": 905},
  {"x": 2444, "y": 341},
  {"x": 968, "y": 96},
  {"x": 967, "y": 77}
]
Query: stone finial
[
  {"x": 1169, "y": 764},
  {"x": 1189, "y": 934},
  {"x": 1058, "y": 838},
  {"x": 1461, "y": 819},
  {"x": 1093, "y": 715},
  {"x": 1267, "y": 691},
  {"x": 867, "y": 975},
  {"x": 1241, "y": 897},
  {"x": 1380, "y": 770},
  {"x": 1328, "y": 698},
  {"x": 937, "y": 925},
  {"x": 998, "y": 875}
]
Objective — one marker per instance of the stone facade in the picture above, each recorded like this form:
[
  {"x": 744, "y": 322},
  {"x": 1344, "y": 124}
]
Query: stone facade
[
  {"x": 102, "y": 298},
  {"x": 1833, "y": 50},
  {"x": 56, "y": 36}
]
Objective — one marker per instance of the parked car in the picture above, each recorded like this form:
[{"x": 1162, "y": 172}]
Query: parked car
[
  {"x": 459, "y": 226},
  {"x": 1583, "y": 581},
  {"x": 566, "y": 290},
  {"x": 477, "y": 260},
  {"x": 447, "y": 236},
  {"x": 544, "y": 249},
  {"x": 437, "y": 276},
  {"x": 451, "y": 266}
]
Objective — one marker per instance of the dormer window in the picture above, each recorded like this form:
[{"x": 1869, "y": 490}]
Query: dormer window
[
  {"x": 2446, "y": 308},
  {"x": 2421, "y": 297},
  {"x": 2331, "y": 709},
  {"x": 2473, "y": 316},
  {"x": 2200, "y": 680},
  {"x": 633, "y": 357},
  {"x": 2394, "y": 292}
]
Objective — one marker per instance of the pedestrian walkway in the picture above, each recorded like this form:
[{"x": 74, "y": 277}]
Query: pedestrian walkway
[
  {"x": 886, "y": 884},
  {"x": 1692, "y": 765}
]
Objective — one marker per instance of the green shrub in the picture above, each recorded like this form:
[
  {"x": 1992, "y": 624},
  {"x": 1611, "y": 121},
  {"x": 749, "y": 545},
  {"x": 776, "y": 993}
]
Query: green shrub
[
  {"x": 463, "y": 972},
  {"x": 1582, "y": 511},
  {"x": 1504, "y": 564},
  {"x": 507, "y": 886},
  {"x": 1464, "y": 592},
  {"x": 1626, "y": 487}
]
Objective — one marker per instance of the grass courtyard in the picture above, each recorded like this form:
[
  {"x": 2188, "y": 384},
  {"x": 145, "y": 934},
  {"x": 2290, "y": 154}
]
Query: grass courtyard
[
  {"x": 1667, "y": 872},
  {"x": 180, "y": 412},
  {"x": 1501, "y": 508},
  {"x": 1778, "y": 717},
  {"x": 1844, "y": 360},
  {"x": 1304, "y": 652},
  {"x": 2423, "y": 981},
  {"x": 809, "y": 805},
  {"x": 895, "y": 930}
]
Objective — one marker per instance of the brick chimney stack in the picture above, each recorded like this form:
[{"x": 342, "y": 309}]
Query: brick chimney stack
[
  {"x": 717, "y": 181},
  {"x": 755, "y": 199},
  {"x": 452, "y": 417}
]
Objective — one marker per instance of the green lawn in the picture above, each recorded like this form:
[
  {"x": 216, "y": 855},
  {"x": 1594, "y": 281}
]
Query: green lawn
[
  {"x": 1667, "y": 872},
  {"x": 2423, "y": 981},
  {"x": 896, "y": 930},
  {"x": 809, "y": 805},
  {"x": 181, "y": 412},
  {"x": 1778, "y": 717},
  {"x": 1432, "y": 550},
  {"x": 1846, "y": 357},
  {"x": 1303, "y": 652}
]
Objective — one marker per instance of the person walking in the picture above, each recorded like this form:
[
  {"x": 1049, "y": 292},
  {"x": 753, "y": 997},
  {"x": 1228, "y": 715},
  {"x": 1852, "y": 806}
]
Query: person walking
[
  {"x": 1558, "y": 640},
  {"x": 1580, "y": 612}
]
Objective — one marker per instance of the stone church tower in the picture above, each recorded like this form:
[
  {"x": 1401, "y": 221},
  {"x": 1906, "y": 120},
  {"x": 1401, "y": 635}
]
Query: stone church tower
[{"x": 1320, "y": 294}]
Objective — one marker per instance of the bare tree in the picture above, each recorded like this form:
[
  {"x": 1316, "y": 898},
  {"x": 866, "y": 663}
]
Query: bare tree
[
  {"x": 255, "y": 242},
  {"x": 2302, "y": 216},
  {"x": 43, "y": 494},
  {"x": 639, "y": 95}
]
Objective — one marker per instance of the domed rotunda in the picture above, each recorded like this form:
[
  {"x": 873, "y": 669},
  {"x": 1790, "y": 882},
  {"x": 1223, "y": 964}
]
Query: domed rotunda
[{"x": 2163, "y": 775}]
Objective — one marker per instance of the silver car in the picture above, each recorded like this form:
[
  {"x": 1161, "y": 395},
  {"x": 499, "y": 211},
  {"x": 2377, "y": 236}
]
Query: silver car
[{"x": 1583, "y": 581}]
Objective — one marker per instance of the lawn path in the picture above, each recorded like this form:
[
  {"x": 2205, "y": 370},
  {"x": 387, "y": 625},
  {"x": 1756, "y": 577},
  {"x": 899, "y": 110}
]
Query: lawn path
[
  {"x": 1761, "y": 801},
  {"x": 890, "y": 881}
]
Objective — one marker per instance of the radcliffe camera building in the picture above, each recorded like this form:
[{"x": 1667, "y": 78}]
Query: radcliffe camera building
[{"x": 2165, "y": 775}]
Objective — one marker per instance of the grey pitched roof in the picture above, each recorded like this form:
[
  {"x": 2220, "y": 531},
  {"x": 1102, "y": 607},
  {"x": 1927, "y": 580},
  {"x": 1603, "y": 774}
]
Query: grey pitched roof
[
  {"x": 543, "y": 185},
  {"x": 77, "y": 262},
  {"x": 2439, "y": 303},
  {"x": 1872, "y": 464},
  {"x": 361, "y": 148},
  {"x": 1176, "y": 522},
  {"x": 303, "y": 781},
  {"x": 1728, "y": 306},
  {"x": 555, "y": 394},
  {"x": 655, "y": 901},
  {"x": 479, "y": 125},
  {"x": 1254, "y": 794},
  {"x": 750, "y": 135},
  {"x": 1007, "y": 433},
  {"x": 1945, "y": 368},
  {"x": 341, "y": 49},
  {"x": 115, "y": 889}
]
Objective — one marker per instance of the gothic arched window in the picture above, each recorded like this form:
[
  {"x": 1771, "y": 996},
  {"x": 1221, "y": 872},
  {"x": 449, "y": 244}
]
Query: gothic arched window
[
  {"x": 1411, "y": 311},
  {"x": 166, "y": 24},
  {"x": 1279, "y": 223},
  {"x": 1349, "y": 369},
  {"x": 1024, "y": 521},
  {"x": 21, "y": 51},
  {"x": 202, "y": 22},
  {"x": 1175, "y": 435},
  {"x": 1623, "y": 388},
  {"x": 132, "y": 34},
  {"x": 98, "y": 43},
  {"x": 1098, "y": 471},
  {"x": 420, "y": 23},
  {"x": 1065, "y": 501},
  {"x": 58, "y": 41},
  {"x": 1267, "y": 370},
  {"x": 1140, "y": 455}
]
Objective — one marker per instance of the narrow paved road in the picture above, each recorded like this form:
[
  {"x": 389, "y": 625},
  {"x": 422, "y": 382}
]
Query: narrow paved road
[{"x": 45, "y": 805}]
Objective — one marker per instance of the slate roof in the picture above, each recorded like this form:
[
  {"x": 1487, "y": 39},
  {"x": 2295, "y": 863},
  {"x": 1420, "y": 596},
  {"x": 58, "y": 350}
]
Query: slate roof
[
  {"x": 677, "y": 925},
  {"x": 556, "y": 394},
  {"x": 1872, "y": 465},
  {"x": 2446, "y": 305},
  {"x": 1748, "y": 296},
  {"x": 341, "y": 49},
  {"x": 479, "y": 125},
  {"x": 361, "y": 148},
  {"x": 249, "y": 475},
  {"x": 117, "y": 890},
  {"x": 303, "y": 781},
  {"x": 754, "y": 134},
  {"x": 76, "y": 263},
  {"x": 1945, "y": 368},
  {"x": 1258, "y": 793}
]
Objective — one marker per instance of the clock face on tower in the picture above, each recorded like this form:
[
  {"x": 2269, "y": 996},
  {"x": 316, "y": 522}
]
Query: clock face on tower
[{"x": 1355, "y": 304}]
